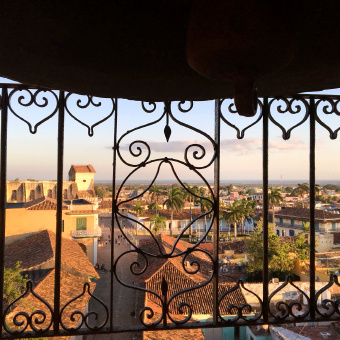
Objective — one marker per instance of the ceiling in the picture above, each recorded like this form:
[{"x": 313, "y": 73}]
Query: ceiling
[{"x": 137, "y": 49}]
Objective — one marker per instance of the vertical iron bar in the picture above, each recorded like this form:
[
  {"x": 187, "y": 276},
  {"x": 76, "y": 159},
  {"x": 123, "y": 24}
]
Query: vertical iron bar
[
  {"x": 113, "y": 215},
  {"x": 265, "y": 209},
  {"x": 237, "y": 333},
  {"x": 312, "y": 114},
  {"x": 61, "y": 120},
  {"x": 4, "y": 117},
  {"x": 216, "y": 209}
]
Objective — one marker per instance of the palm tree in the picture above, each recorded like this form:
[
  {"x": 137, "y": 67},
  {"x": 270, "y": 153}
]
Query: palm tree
[
  {"x": 174, "y": 202},
  {"x": 274, "y": 198},
  {"x": 232, "y": 214},
  {"x": 158, "y": 223},
  {"x": 189, "y": 196},
  {"x": 138, "y": 209},
  {"x": 229, "y": 187},
  {"x": 246, "y": 211},
  {"x": 303, "y": 189},
  {"x": 205, "y": 206},
  {"x": 155, "y": 191}
]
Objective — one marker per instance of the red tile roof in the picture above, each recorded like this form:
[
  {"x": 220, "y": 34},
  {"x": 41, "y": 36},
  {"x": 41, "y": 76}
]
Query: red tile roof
[
  {"x": 237, "y": 246},
  {"x": 43, "y": 203},
  {"x": 178, "y": 279},
  {"x": 303, "y": 214},
  {"x": 86, "y": 193},
  {"x": 39, "y": 249},
  {"x": 199, "y": 299},
  {"x": 83, "y": 168}
]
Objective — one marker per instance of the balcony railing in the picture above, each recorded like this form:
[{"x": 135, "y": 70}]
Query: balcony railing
[
  {"x": 16, "y": 324},
  {"x": 87, "y": 233}
]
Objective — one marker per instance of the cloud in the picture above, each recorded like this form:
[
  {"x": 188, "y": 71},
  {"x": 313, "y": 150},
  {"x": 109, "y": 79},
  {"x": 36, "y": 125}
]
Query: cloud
[{"x": 239, "y": 146}]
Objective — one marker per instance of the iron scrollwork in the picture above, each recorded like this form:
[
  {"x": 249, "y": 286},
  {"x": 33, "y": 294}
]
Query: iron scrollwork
[
  {"x": 89, "y": 100},
  {"x": 241, "y": 310},
  {"x": 29, "y": 97},
  {"x": 84, "y": 318},
  {"x": 286, "y": 309},
  {"x": 331, "y": 307},
  {"x": 329, "y": 105},
  {"x": 39, "y": 320},
  {"x": 232, "y": 109},
  {"x": 175, "y": 301},
  {"x": 291, "y": 105}
]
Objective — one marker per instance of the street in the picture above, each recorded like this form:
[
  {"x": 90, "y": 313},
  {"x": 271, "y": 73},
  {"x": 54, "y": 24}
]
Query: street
[{"x": 124, "y": 298}]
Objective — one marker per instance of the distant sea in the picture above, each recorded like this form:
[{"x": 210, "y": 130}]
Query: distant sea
[{"x": 249, "y": 182}]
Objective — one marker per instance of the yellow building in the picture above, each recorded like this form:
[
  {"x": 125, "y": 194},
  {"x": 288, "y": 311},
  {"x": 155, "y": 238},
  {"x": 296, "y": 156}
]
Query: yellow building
[
  {"x": 79, "y": 185},
  {"x": 80, "y": 221}
]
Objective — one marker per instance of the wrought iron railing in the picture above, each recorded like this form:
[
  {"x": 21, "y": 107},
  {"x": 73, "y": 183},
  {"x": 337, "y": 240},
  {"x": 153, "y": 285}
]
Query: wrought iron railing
[
  {"x": 18, "y": 324},
  {"x": 87, "y": 233}
]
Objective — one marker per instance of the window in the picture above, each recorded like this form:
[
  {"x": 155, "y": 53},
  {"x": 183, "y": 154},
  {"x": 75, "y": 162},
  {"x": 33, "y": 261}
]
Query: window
[
  {"x": 317, "y": 228},
  {"x": 81, "y": 223},
  {"x": 291, "y": 233},
  {"x": 333, "y": 226},
  {"x": 281, "y": 221},
  {"x": 14, "y": 195},
  {"x": 49, "y": 193},
  {"x": 65, "y": 194},
  {"x": 292, "y": 222}
]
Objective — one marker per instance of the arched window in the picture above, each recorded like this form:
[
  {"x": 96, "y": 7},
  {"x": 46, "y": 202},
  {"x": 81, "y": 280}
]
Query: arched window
[
  {"x": 32, "y": 195},
  {"x": 14, "y": 195},
  {"x": 49, "y": 193},
  {"x": 65, "y": 193}
]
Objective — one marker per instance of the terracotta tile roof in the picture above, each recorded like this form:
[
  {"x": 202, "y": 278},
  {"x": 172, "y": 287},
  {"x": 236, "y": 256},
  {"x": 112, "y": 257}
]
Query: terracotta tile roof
[
  {"x": 199, "y": 299},
  {"x": 43, "y": 203},
  {"x": 71, "y": 286},
  {"x": 237, "y": 246},
  {"x": 86, "y": 193},
  {"x": 178, "y": 279},
  {"x": 105, "y": 204},
  {"x": 40, "y": 248},
  {"x": 303, "y": 214},
  {"x": 83, "y": 168}
]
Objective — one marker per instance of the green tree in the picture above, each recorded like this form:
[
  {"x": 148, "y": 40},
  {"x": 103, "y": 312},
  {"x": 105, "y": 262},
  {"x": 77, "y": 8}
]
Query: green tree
[
  {"x": 153, "y": 206},
  {"x": 100, "y": 191},
  {"x": 155, "y": 191},
  {"x": 301, "y": 247},
  {"x": 158, "y": 222},
  {"x": 232, "y": 214},
  {"x": 247, "y": 211},
  {"x": 275, "y": 199},
  {"x": 230, "y": 188},
  {"x": 14, "y": 283},
  {"x": 174, "y": 203},
  {"x": 278, "y": 260},
  {"x": 138, "y": 209}
]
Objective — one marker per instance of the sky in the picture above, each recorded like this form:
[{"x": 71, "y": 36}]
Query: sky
[{"x": 35, "y": 155}]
